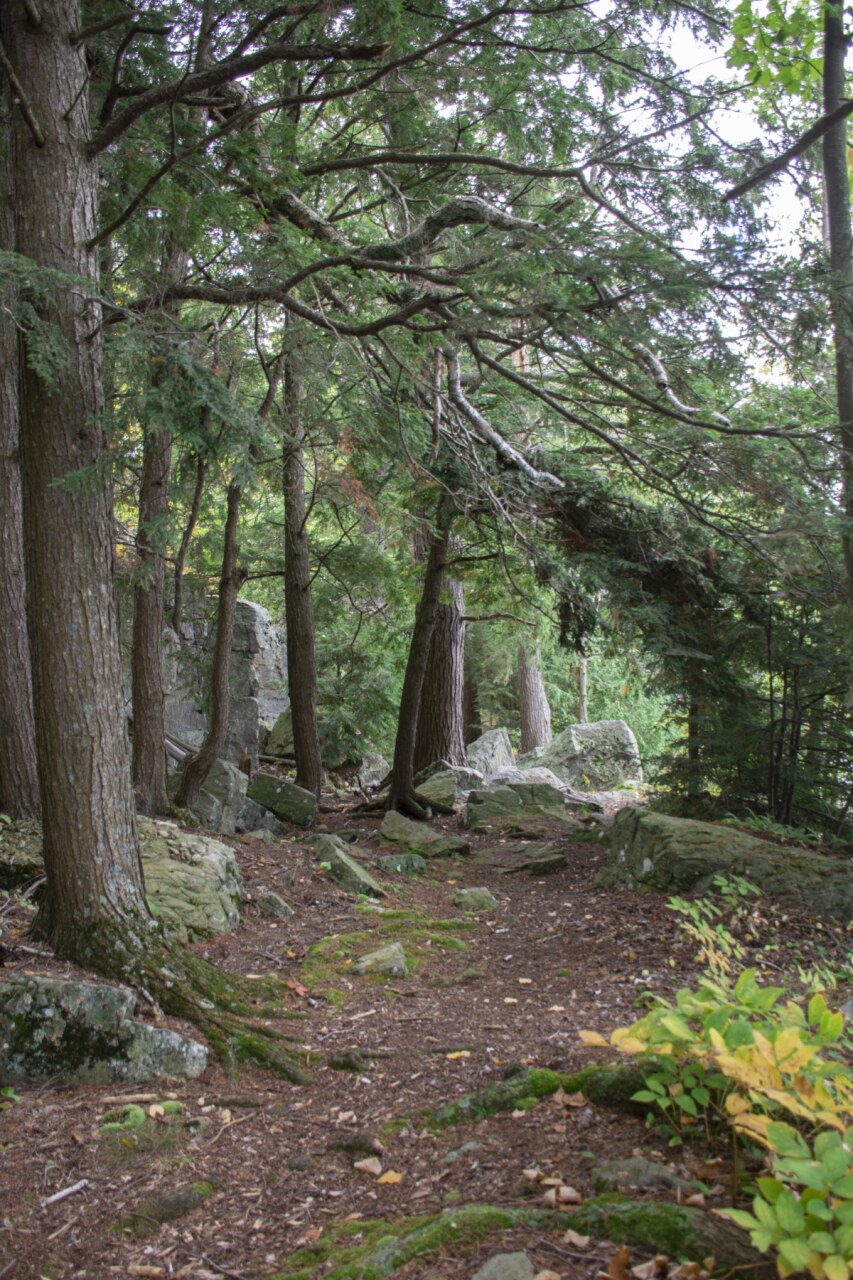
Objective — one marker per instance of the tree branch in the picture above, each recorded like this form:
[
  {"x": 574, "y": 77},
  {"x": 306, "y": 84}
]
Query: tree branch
[
  {"x": 20, "y": 99},
  {"x": 808, "y": 139}
]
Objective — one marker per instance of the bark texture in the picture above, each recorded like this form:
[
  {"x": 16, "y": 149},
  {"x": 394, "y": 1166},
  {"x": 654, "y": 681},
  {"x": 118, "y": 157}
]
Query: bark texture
[
  {"x": 534, "y": 708},
  {"x": 19, "y": 792},
  {"x": 836, "y": 177},
  {"x": 186, "y": 539},
  {"x": 91, "y": 851},
  {"x": 298, "y": 606},
  {"x": 472, "y": 720},
  {"x": 439, "y": 735},
  {"x": 402, "y": 790},
  {"x": 233, "y": 576},
  {"x": 583, "y": 698}
]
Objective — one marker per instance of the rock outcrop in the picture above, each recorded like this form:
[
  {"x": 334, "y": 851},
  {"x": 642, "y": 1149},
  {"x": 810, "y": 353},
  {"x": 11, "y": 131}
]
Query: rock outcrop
[{"x": 591, "y": 757}]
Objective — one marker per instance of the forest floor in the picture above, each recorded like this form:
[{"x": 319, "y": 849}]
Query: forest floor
[{"x": 506, "y": 988}]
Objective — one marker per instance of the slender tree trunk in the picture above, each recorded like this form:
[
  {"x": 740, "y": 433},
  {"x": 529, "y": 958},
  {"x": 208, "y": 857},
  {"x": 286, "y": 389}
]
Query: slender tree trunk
[
  {"x": 439, "y": 735},
  {"x": 836, "y": 177},
  {"x": 402, "y": 790},
  {"x": 233, "y": 576},
  {"x": 583, "y": 698},
  {"x": 19, "y": 792},
  {"x": 472, "y": 723},
  {"x": 535, "y": 711},
  {"x": 94, "y": 880},
  {"x": 183, "y": 549},
  {"x": 298, "y": 606}
]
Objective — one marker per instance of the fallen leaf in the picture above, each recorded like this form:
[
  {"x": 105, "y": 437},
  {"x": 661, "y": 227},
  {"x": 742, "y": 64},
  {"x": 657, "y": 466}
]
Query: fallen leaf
[
  {"x": 557, "y": 1008},
  {"x": 575, "y": 1100},
  {"x": 617, "y": 1267},
  {"x": 592, "y": 1038},
  {"x": 697, "y": 1200},
  {"x": 391, "y": 1178},
  {"x": 460, "y": 1053},
  {"x": 518, "y": 1113},
  {"x": 510, "y": 1000},
  {"x": 575, "y": 1238},
  {"x": 547, "y": 1275},
  {"x": 155, "y": 1110},
  {"x": 370, "y": 1165},
  {"x": 297, "y": 987},
  {"x": 550, "y": 1197},
  {"x": 552, "y": 1182},
  {"x": 657, "y": 1266},
  {"x": 569, "y": 1195},
  {"x": 145, "y": 1269},
  {"x": 525, "y": 982},
  {"x": 532, "y": 1175}
]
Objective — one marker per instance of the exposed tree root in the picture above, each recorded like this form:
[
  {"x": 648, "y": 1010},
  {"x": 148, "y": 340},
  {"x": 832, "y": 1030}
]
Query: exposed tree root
[{"x": 224, "y": 1007}]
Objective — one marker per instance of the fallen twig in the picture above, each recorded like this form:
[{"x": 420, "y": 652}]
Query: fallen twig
[{"x": 68, "y": 1191}]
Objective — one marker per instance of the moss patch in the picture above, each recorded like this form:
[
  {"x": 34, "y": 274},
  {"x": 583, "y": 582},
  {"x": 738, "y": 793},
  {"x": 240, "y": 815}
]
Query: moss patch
[
  {"x": 605, "y": 1086},
  {"x": 419, "y": 934},
  {"x": 373, "y": 1249},
  {"x": 675, "y": 1230},
  {"x": 166, "y": 1206}
]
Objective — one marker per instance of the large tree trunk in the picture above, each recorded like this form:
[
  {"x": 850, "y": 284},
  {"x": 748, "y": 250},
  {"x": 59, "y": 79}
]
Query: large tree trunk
[
  {"x": 534, "y": 708},
  {"x": 836, "y": 177},
  {"x": 233, "y": 576},
  {"x": 402, "y": 790},
  {"x": 472, "y": 720},
  {"x": 94, "y": 880},
  {"x": 298, "y": 606},
  {"x": 183, "y": 549},
  {"x": 19, "y": 793},
  {"x": 439, "y": 735}
]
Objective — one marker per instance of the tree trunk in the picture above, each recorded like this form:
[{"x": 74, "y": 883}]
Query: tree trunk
[
  {"x": 298, "y": 606},
  {"x": 183, "y": 549},
  {"x": 233, "y": 576},
  {"x": 94, "y": 886},
  {"x": 836, "y": 177},
  {"x": 472, "y": 721},
  {"x": 402, "y": 792},
  {"x": 149, "y": 714},
  {"x": 583, "y": 701},
  {"x": 439, "y": 735},
  {"x": 535, "y": 712},
  {"x": 19, "y": 791}
]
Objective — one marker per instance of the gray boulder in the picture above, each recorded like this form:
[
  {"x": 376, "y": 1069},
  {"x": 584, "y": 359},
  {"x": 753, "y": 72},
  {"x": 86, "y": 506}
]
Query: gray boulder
[
  {"x": 273, "y": 905},
  {"x": 639, "y": 1174},
  {"x": 417, "y": 837},
  {"x": 591, "y": 757},
  {"x": 512, "y": 773},
  {"x": 287, "y": 801},
  {"x": 222, "y": 797},
  {"x": 254, "y": 817},
  {"x": 502, "y": 805},
  {"x": 678, "y": 854},
  {"x": 83, "y": 1033},
  {"x": 506, "y": 1266},
  {"x": 279, "y": 741},
  {"x": 372, "y": 771},
  {"x": 490, "y": 752},
  {"x": 386, "y": 962},
  {"x": 528, "y": 857},
  {"x": 446, "y": 786},
  {"x": 344, "y": 868}
]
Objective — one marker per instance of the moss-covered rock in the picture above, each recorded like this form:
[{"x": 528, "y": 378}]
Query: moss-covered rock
[
  {"x": 675, "y": 1230},
  {"x": 404, "y": 864},
  {"x": 417, "y": 837},
  {"x": 495, "y": 806},
  {"x": 476, "y": 898},
  {"x": 657, "y": 851},
  {"x": 605, "y": 1086},
  {"x": 283, "y": 798},
  {"x": 83, "y": 1033},
  {"x": 344, "y": 866}
]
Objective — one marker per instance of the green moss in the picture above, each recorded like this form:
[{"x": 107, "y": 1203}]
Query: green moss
[
  {"x": 122, "y": 1118},
  {"x": 606, "y": 1086},
  {"x": 166, "y": 1206},
  {"x": 419, "y": 934},
  {"x": 382, "y": 1247},
  {"x": 676, "y": 1230}
]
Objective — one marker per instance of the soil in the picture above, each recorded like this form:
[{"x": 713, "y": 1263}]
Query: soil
[{"x": 557, "y": 955}]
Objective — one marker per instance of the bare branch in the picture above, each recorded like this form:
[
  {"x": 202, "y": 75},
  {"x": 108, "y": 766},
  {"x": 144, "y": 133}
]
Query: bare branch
[
  {"x": 806, "y": 140},
  {"x": 20, "y": 99}
]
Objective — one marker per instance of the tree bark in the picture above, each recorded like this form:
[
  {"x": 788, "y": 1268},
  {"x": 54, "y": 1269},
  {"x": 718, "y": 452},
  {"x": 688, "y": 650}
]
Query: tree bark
[
  {"x": 583, "y": 699},
  {"x": 19, "y": 791},
  {"x": 233, "y": 576},
  {"x": 836, "y": 177},
  {"x": 472, "y": 721},
  {"x": 534, "y": 709},
  {"x": 149, "y": 714},
  {"x": 94, "y": 889},
  {"x": 183, "y": 549},
  {"x": 439, "y": 735},
  {"x": 402, "y": 789},
  {"x": 298, "y": 606}
]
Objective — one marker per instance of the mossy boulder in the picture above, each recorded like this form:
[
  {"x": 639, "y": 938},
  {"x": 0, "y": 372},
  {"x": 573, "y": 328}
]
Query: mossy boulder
[
  {"x": 637, "y": 1173},
  {"x": 283, "y": 798},
  {"x": 385, "y": 962},
  {"x": 591, "y": 757},
  {"x": 274, "y": 906},
  {"x": 84, "y": 1033},
  {"x": 674, "y": 855},
  {"x": 404, "y": 864},
  {"x": 525, "y": 857},
  {"x": 192, "y": 881},
  {"x": 417, "y": 837},
  {"x": 477, "y": 898},
  {"x": 344, "y": 868},
  {"x": 446, "y": 786},
  {"x": 675, "y": 1230},
  {"x": 495, "y": 806}
]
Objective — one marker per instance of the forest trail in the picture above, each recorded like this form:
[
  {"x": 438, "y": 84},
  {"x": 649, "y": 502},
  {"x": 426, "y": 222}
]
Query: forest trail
[{"x": 491, "y": 992}]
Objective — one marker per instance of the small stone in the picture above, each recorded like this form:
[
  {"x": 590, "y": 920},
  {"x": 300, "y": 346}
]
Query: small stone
[
  {"x": 475, "y": 899},
  {"x": 506, "y": 1266},
  {"x": 386, "y": 962},
  {"x": 272, "y": 904},
  {"x": 344, "y": 868},
  {"x": 636, "y": 1171}
]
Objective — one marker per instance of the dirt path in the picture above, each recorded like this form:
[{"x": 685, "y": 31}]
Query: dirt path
[{"x": 517, "y": 984}]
